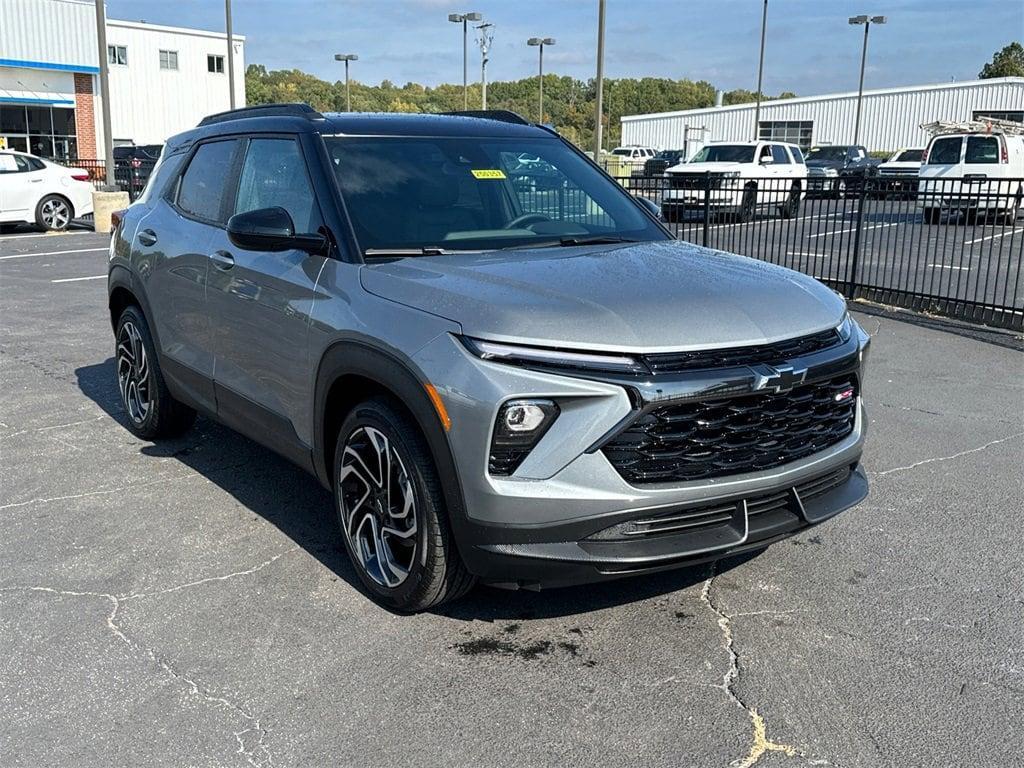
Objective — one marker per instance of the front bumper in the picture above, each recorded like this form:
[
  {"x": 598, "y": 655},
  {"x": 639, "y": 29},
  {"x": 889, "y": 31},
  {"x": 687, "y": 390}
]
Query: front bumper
[{"x": 536, "y": 527}]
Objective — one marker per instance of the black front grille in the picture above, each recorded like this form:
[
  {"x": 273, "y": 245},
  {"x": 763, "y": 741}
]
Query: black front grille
[
  {"x": 695, "y": 180},
  {"x": 671, "y": 362},
  {"x": 715, "y": 438}
]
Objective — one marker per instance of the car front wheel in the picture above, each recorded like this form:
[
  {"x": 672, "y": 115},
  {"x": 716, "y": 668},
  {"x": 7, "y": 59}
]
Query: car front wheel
[{"x": 391, "y": 510}]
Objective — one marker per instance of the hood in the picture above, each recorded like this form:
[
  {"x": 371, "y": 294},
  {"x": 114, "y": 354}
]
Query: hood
[
  {"x": 717, "y": 167},
  {"x": 644, "y": 297}
]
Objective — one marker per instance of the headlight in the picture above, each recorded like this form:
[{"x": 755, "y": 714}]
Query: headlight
[
  {"x": 831, "y": 172},
  {"x": 845, "y": 328},
  {"x": 541, "y": 357},
  {"x": 731, "y": 175}
]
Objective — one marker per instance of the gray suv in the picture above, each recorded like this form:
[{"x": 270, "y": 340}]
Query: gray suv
[{"x": 505, "y": 371}]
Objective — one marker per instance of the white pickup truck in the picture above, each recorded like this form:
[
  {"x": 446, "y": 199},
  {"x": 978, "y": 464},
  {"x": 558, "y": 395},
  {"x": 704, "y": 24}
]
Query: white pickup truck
[{"x": 738, "y": 178}]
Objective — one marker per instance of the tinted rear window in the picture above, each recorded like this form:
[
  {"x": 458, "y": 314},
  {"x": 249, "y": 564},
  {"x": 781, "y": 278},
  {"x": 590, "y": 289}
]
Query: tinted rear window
[
  {"x": 982, "y": 149},
  {"x": 945, "y": 151},
  {"x": 201, "y": 192}
]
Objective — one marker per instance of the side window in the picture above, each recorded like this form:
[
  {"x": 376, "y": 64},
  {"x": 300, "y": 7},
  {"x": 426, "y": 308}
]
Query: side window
[
  {"x": 766, "y": 151},
  {"x": 945, "y": 151},
  {"x": 982, "y": 149},
  {"x": 274, "y": 175},
  {"x": 779, "y": 155},
  {"x": 798, "y": 156},
  {"x": 13, "y": 164},
  {"x": 202, "y": 186}
]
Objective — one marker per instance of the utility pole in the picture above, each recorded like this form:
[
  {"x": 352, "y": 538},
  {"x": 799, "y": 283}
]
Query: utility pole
[
  {"x": 231, "y": 54},
  {"x": 108, "y": 134},
  {"x": 599, "y": 106},
  {"x": 484, "y": 41},
  {"x": 760, "y": 73}
]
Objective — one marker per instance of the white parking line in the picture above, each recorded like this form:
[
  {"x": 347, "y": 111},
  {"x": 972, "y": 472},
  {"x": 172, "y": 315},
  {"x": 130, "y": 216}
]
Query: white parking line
[
  {"x": 78, "y": 279},
  {"x": 52, "y": 253},
  {"x": 844, "y": 231},
  {"x": 991, "y": 237},
  {"x": 46, "y": 234},
  {"x": 805, "y": 253},
  {"x": 948, "y": 266}
]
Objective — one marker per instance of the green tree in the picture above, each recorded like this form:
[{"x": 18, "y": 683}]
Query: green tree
[{"x": 1009, "y": 62}]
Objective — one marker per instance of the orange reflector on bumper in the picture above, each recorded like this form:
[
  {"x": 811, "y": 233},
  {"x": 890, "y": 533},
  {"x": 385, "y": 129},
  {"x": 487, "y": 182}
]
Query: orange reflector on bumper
[{"x": 442, "y": 412}]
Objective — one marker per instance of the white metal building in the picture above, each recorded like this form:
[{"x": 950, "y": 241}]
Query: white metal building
[
  {"x": 890, "y": 117},
  {"x": 162, "y": 79}
]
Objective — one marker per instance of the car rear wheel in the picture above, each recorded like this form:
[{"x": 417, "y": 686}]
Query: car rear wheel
[
  {"x": 152, "y": 412},
  {"x": 53, "y": 212},
  {"x": 931, "y": 215},
  {"x": 391, "y": 510},
  {"x": 791, "y": 207}
]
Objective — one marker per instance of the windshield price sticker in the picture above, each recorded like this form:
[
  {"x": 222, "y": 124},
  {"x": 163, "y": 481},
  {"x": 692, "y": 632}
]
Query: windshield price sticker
[{"x": 487, "y": 173}]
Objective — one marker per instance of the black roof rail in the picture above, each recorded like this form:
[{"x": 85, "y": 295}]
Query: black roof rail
[
  {"x": 503, "y": 115},
  {"x": 263, "y": 110}
]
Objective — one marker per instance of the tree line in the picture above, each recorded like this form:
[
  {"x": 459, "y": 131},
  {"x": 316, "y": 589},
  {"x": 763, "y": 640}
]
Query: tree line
[{"x": 568, "y": 102}]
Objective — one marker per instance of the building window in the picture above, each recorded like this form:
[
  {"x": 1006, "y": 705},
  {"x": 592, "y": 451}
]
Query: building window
[
  {"x": 797, "y": 132},
  {"x": 44, "y": 131},
  {"x": 1000, "y": 114},
  {"x": 117, "y": 54},
  {"x": 169, "y": 60},
  {"x": 215, "y": 64}
]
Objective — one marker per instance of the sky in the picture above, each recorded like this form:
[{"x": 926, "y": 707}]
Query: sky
[{"x": 810, "y": 47}]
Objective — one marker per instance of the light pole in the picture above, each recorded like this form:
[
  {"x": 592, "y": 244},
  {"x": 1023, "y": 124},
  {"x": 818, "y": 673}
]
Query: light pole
[
  {"x": 231, "y": 54},
  {"x": 346, "y": 57},
  {"x": 599, "y": 106},
  {"x": 484, "y": 41},
  {"x": 108, "y": 136},
  {"x": 867, "y": 22},
  {"x": 464, "y": 19},
  {"x": 540, "y": 42},
  {"x": 760, "y": 73}
]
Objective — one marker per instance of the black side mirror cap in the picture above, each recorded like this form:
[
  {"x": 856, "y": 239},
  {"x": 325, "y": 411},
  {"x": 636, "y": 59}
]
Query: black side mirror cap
[
  {"x": 651, "y": 206},
  {"x": 272, "y": 229}
]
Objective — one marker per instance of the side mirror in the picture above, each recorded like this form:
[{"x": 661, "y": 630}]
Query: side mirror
[
  {"x": 272, "y": 229},
  {"x": 653, "y": 208},
  {"x": 767, "y": 160}
]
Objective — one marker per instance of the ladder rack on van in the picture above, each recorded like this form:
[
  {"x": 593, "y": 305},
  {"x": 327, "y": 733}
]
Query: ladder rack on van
[{"x": 982, "y": 125}]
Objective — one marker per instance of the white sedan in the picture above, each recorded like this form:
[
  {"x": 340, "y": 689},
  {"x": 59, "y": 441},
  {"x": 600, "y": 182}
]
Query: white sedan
[{"x": 35, "y": 191}]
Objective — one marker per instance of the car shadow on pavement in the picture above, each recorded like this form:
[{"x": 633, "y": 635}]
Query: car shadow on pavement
[{"x": 295, "y": 502}]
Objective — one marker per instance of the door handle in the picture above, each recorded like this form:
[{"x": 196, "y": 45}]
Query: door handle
[
  {"x": 36, "y": 181},
  {"x": 222, "y": 259},
  {"x": 147, "y": 237}
]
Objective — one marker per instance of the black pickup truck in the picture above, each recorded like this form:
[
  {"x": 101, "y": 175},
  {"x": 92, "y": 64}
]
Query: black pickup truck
[{"x": 835, "y": 170}]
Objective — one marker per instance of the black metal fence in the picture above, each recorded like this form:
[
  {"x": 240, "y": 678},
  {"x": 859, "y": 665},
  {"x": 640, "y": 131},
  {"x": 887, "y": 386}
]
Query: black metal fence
[
  {"x": 129, "y": 175},
  {"x": 950, "y": 246}
]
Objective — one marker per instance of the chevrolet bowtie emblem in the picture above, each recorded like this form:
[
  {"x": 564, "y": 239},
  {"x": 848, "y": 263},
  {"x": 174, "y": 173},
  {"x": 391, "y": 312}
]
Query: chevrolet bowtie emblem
[{"x": 777, "y": 379}]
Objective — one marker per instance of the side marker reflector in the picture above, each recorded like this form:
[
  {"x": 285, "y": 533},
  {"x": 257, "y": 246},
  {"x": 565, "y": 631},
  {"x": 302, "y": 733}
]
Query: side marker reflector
[{"x": 442, "y": 412}]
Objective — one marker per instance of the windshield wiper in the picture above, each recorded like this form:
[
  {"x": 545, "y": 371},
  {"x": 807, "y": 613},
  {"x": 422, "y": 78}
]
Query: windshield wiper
[
  {"x": 595, "y": 240},
  {"x": 399, "y": 253}
]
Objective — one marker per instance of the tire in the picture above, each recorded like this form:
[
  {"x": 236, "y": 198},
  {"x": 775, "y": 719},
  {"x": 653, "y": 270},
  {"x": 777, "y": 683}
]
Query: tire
[
  {"x": 670, "y": 213},
  {"x": 791, "y": 208},
  {"x": 748, "y": 205},
  {"x": 54, "y": 212},
  {"x": 841, "y": 189},
  {"x": 152, "y": 412},
  {"x": 407, "y": 577},
  {"x": 931, "y": 215}
]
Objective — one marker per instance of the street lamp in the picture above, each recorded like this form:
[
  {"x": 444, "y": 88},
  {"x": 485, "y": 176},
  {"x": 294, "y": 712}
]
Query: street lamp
[
  {"x": 464, "y": 19},
  {"x": 599, "y": 100},
  {"x": 540, "y": 42},
  {"x": 346, "y": 57},
  {"x": 760, "y": 73},
  {"x": 867, "y": 22}
]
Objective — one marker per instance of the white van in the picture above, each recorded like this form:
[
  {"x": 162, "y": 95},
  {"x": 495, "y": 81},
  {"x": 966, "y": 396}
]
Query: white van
[{"x": 974, "y": 169}]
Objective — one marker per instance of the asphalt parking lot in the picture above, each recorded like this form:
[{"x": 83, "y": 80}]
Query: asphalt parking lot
[{"x": 188, "y": 603}]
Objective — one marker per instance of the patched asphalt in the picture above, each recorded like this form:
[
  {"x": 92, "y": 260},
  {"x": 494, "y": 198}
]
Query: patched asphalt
[{"x": 188, "y": 603}]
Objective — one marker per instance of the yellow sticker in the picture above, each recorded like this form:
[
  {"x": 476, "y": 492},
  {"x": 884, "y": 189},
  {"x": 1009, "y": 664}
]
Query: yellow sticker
[{"x": 488, "y": 174}]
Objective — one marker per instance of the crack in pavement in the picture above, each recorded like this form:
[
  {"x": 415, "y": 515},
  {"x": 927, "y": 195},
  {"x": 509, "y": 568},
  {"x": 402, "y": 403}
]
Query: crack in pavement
[
  {"x": 950, "y": 457},
  {"x": 256, "y": 752},
  {"x": 760, "y": 744},
  {"x": 34, "y": 430}
]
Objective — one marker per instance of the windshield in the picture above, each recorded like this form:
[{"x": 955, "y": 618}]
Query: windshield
[
  {"x": 827, "y": 153},
  {"x": 622, "y": 151},
  {"x": 909, "y": 156},
  {"x": 478, "y": 194},
  {"x": 725, "y": 153}
]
